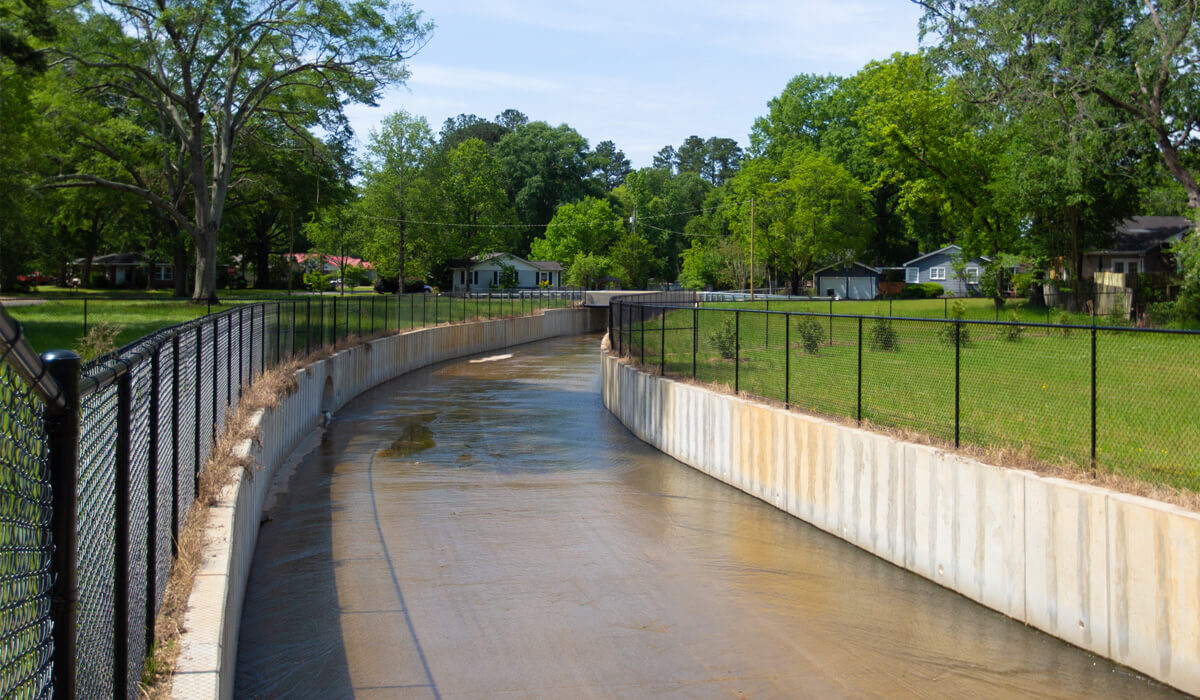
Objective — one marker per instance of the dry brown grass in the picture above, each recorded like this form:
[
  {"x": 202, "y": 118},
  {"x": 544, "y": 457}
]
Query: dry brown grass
[
  {"x": 1000, "y": 457},
  {"x": 266, "y": 391},
  {"x": 99, "y": 340}
]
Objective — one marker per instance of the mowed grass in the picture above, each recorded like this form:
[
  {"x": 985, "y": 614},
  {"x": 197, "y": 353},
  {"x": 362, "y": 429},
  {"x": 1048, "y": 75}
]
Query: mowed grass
[
  {"x": 1030, "y": 394},
  {"x": 59, "y": 323},
  {"x": 974, "y": 309}
]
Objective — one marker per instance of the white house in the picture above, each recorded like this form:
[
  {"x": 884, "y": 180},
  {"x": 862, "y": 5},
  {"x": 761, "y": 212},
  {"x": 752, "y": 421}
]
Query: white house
[{"x": 482, "y": 272}]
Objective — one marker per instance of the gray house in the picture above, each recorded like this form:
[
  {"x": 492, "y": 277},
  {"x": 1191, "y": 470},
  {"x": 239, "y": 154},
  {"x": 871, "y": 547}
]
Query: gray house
[
  {"x": 847, "y": 280},
  {"x": 938, "y": 267},
  {"x": 482, "y": 272}
]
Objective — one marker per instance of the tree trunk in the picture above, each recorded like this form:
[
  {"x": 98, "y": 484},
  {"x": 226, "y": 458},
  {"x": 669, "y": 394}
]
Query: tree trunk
[
  {"x": 179, "y": 260},
  {"x": 205, "y": 288}
]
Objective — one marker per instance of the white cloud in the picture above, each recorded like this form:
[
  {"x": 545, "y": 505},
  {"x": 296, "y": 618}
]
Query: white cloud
[{"x": 460, "y": 78}]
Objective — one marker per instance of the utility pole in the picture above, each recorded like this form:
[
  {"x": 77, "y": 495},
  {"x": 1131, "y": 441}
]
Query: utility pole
[{"x": 751, "y": 249}]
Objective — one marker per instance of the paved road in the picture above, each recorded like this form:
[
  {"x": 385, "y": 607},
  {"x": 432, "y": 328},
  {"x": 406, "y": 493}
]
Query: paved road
[{"x": 486, "y": 529}]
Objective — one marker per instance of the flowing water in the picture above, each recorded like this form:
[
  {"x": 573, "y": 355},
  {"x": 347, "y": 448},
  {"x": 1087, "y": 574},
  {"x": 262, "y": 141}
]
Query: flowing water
[{"x": 487, "y": 529}]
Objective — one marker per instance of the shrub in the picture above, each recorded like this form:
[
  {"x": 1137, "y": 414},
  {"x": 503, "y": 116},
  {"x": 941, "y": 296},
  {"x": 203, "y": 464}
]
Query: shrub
[
  {"x": 100, "y": 340},
  {"x": 1021, "y": 282},
  {"x": 317, "y": 281},
  {"x": 883, "y": 335},
  {"x": 925, "y": 290},
  {"x": 811, "y": 334},
  {"x": 386, "y": 285},
  {"x": 724, "y": 339},
  {"x": 1012, "y": 333},
  {"x": 1064, "y": 319},
  {"x": 1161, "y": 313},
  {"x": 946, "y": 331}
]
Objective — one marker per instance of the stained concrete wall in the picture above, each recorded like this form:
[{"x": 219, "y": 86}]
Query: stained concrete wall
[
  {"x": 1115, "y": 574},
  {"x": 208, "y": 647}
]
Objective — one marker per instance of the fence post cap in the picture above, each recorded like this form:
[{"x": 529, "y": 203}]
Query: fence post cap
[{"x": 60, "y": 356}]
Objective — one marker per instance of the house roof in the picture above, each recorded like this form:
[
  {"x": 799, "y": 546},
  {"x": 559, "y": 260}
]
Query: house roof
[
  {"x": 334, "y": 260},
  {"x": 119, "y": 260},
  {"x": 543, "y": 265},
  {"x": 952, "y": 246},
  {"x": 847, "y": 262},
  {"x": 1141, "y": 233}
]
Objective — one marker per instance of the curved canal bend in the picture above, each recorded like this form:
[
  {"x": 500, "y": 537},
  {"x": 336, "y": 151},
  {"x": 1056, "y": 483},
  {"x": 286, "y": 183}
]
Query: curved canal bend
[{"x": 486, "y": 528}]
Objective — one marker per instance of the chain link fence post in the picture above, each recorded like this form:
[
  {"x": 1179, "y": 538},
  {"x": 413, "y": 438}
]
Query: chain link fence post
[
  {"x": 787, "y": 361},
  {"x": 737, "y": 351},
  {"x": 859, "y": 403},
  {"x": 62, "y": 432},
  {"x": 121, "y": 539},
  {"x": 957, "y": 374},
  {"x": 1093, "y": 401}
]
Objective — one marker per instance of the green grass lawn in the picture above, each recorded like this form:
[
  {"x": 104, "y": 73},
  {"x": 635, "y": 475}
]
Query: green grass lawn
[
  {"x": 975, "y": 309},
  {"x": 1031, "y": 393},
  {"x": 59, "y": 323}
]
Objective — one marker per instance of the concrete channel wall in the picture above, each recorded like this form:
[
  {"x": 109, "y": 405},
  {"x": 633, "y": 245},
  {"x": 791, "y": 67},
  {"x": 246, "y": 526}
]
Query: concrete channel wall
[
  {"x": 208, "y": 647},
  {"x": 1115, "y": 574}
]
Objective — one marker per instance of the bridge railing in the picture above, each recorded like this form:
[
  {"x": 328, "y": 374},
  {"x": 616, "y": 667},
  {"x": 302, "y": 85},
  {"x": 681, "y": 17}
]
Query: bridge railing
[{"x": 100, "y": 464}]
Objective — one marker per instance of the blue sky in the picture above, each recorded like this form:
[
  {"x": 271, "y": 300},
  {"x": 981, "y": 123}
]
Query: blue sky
[{"x": 643, "y": 74}]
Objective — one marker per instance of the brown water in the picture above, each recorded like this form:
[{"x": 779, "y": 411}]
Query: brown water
[{"x": 488, "y": 530}]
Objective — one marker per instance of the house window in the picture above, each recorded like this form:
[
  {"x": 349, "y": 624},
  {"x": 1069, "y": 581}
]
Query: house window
[
  {"x": 973, "y": 275},
  {"x": 474, "y": 276},
  {"x": 495, "y": 277},
  {"x": 1118, "y": 266},
  {"x": 912, "y": 275},
  {"x": 1132, "y": 267},
  {"x": 937, "y": 273},
  {"x": 543, "y": 277},
  {"x": 462, "y": 277},
  {"x": 164, "y": 273}
]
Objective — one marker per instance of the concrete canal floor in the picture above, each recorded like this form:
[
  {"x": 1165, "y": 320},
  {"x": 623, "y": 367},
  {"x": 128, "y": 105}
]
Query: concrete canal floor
[{"x": 486, "y": 529}]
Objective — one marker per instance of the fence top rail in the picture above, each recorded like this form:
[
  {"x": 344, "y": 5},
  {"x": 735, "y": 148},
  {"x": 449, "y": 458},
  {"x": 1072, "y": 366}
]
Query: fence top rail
[
  {"x": 15, "y": 350},
  {"x": 868, "y": 317}
]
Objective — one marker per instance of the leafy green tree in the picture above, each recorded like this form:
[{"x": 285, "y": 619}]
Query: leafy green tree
[
  {"x": 1138, "y": 58},
  {"x": 944, "y": 149},
  {"x": 455, "y": 130},
  {"x": 397, "y": 155},
  {"x": 586, "y": 227},
  {"x": 609, "y": 165},
  {"x": 472, "y": 201},
  {"x": 209, "y": 69},
  {"x": 543, "y": 166},
  {"x": 809, "y": 211},
  {"x": 632, "y": 259},
  {"x": 666, "y": 159},
  {"x": 508, "y": 276},
  {"x": 586, "y": 270}
]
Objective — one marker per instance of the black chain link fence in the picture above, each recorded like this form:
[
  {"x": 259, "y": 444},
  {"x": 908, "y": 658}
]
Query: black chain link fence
[
  {"x": 1116, "y": 398},
  {"x": 143, "y": 421},
  {"x": 25, "y": 541}
]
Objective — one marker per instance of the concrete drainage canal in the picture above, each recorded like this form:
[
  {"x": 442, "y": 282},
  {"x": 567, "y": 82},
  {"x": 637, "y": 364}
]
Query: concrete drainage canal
[{"x": 485, "y": 528}]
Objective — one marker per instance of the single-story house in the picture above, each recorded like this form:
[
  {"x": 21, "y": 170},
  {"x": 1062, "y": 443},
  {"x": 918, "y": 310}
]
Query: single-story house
[
  {"x": 847, "y": 280},
  {"x": 938, "y": 267},
  {"x": 1139, "y": 245},
  {"x": 330, "y": 264},
  {"x": 124, "y": 269},
  {"x": 482, "y": 272}
]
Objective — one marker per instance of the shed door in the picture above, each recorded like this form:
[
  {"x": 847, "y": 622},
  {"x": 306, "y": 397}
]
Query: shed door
[
  {"x": 862, "y": 287},
  {"x": 833, "y": 286}
]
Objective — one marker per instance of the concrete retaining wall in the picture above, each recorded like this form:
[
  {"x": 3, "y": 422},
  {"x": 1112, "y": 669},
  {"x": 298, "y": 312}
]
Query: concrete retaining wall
[
  {"x": 208, "y": 648},
  {"x": 1115, "y": 574}
]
